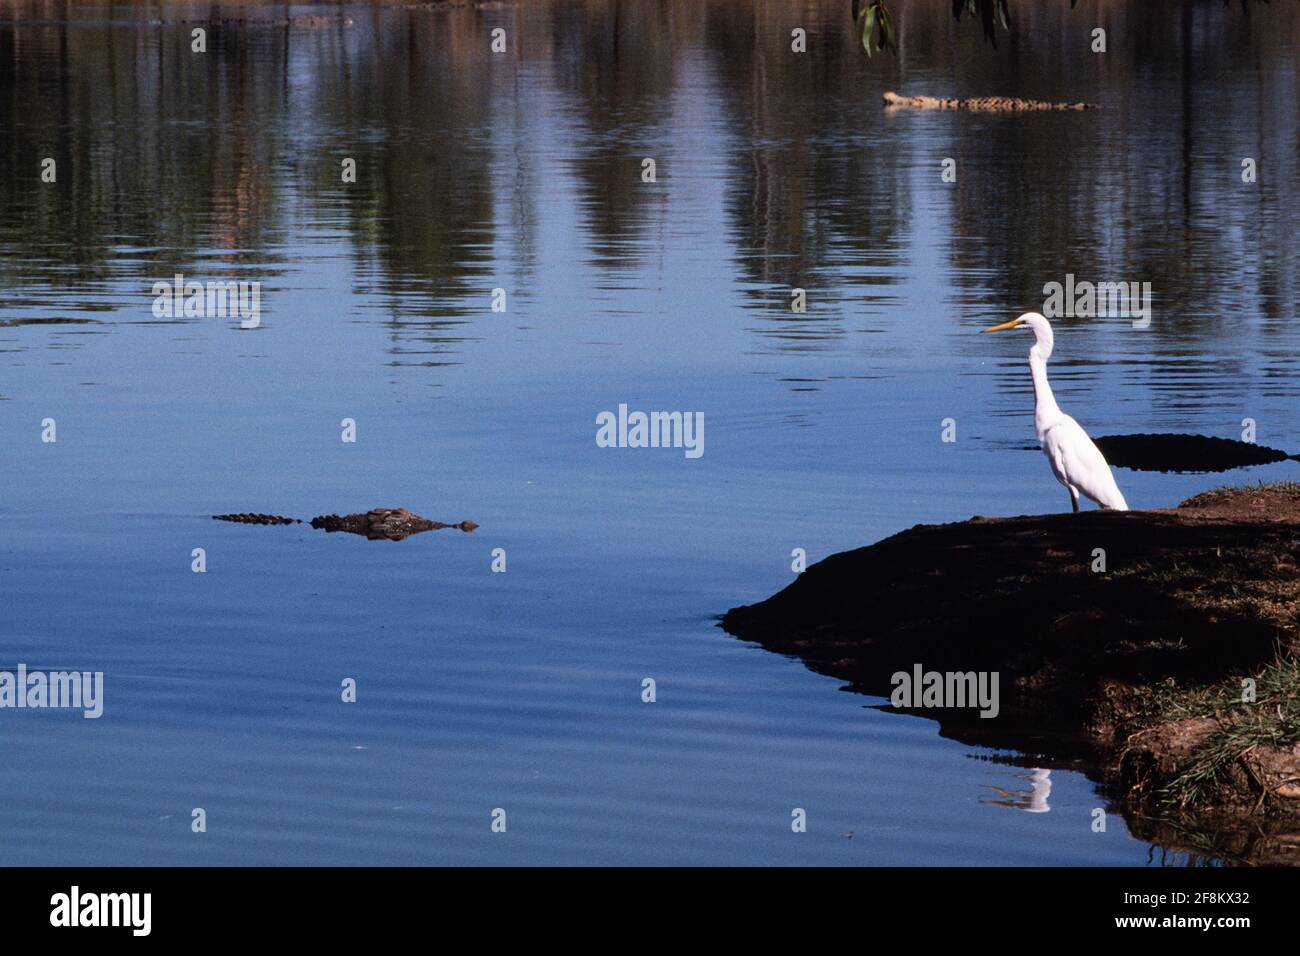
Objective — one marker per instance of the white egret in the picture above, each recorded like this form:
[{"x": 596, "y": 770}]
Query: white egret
[{"x": 1076, "y": 461}]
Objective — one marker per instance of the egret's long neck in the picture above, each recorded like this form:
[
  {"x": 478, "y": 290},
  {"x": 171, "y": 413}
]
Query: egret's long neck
[{"x": 1045, "y": 408}]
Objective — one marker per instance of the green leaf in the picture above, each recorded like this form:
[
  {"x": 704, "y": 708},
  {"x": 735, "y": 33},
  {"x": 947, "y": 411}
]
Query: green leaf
[
  {"x": 868, "y": 27},
  {"x": 888, "y": 36}
]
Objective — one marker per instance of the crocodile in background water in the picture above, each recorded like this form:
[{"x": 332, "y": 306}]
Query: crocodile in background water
[{"x": 979, "y": 104}]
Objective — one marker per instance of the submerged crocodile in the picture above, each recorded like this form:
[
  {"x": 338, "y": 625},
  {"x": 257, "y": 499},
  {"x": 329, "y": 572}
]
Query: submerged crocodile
[
  {"x": 379, "y": 524},
  {"x": 982, "y": 104}
]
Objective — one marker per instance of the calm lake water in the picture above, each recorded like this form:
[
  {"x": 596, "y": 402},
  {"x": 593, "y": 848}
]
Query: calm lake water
[{"x": 522, "y": 171}]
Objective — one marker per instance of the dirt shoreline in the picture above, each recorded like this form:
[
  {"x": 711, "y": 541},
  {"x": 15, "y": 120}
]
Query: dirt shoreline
[{"x": 1123, "y": 637}]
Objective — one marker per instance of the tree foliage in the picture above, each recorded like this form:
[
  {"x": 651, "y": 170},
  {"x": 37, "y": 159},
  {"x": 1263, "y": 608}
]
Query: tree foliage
[{"x": 876, "y": 23}]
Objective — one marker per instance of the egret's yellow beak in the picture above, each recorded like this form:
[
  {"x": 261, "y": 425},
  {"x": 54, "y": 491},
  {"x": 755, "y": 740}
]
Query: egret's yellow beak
[{"x": 1005, "y": 325}]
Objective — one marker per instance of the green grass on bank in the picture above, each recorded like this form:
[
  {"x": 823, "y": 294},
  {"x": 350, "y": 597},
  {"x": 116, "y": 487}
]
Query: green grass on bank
[{"x": 1273, "y": 718}]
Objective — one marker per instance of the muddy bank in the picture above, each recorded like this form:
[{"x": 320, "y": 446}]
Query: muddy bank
[{"x": 1126, "y": 634}]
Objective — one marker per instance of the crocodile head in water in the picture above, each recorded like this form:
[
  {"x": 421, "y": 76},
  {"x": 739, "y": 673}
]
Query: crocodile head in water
[{"x": 392, "y": 524}]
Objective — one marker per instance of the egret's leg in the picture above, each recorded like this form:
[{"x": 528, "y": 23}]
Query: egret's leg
[{"x": 1074, "y": 497}]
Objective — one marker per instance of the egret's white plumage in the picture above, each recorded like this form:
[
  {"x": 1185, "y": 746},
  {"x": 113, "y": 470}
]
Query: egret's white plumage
[{"x": 1076, "y": 461}]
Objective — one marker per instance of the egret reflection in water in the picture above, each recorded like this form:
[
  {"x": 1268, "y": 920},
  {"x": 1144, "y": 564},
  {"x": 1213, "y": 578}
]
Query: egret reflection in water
[{"x": 1032, "y": 801}]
